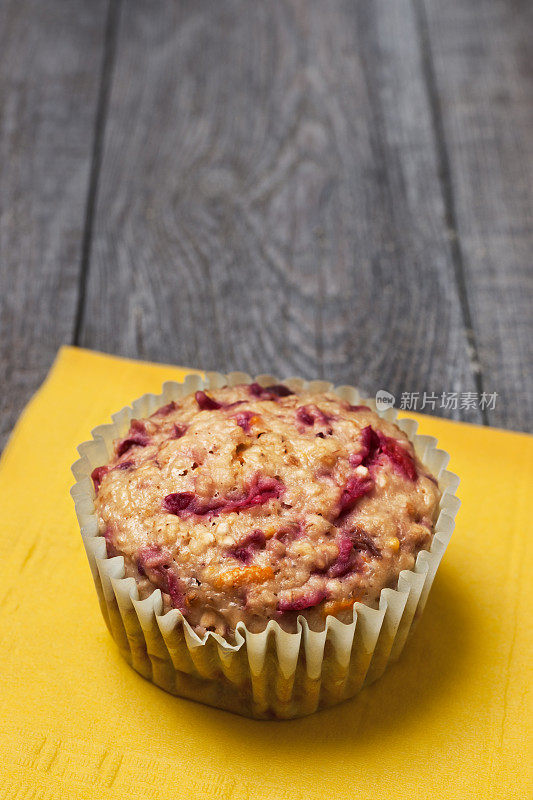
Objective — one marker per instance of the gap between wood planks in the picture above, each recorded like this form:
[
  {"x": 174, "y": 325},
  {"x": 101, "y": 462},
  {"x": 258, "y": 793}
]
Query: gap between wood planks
[
  {"x": 443, "y": 160},
  {"x": 106, "y": 79}
]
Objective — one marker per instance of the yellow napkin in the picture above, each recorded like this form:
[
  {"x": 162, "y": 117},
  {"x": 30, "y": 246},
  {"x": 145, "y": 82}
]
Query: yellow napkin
[{"x": 449, "y": 720}]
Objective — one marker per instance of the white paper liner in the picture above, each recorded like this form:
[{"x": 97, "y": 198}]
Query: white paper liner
[{"x": 273, "y": 674}]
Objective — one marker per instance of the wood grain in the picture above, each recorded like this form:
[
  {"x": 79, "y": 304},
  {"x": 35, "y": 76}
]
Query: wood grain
[
  {"x": 483, "y": 69},
  {"x": 49, "y": 74},
  {"x": 337, "y": 190},
  {"x": 270, "y": 197}
]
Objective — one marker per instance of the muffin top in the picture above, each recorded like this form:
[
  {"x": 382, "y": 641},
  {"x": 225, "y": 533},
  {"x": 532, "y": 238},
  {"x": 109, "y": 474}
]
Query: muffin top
[{"x": 252, "y": 503}]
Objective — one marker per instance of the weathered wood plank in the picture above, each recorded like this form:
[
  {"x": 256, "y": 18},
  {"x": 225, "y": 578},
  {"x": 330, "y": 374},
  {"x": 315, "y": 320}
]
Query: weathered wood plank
[
  {"x": 483, "y": 73},
  {"x": 50, "y": 55},
  {"x": 270, "y": 197}
]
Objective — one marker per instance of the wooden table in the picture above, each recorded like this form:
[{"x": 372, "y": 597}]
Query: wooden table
[{"x": 315, "y": 187}]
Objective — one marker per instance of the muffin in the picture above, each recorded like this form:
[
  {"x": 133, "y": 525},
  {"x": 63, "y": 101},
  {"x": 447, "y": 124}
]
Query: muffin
[{"x": 259, "y": 529}]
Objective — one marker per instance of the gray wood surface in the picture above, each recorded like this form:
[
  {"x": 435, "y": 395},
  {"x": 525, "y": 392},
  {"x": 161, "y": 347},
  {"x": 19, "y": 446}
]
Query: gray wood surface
[
  {"x": 337, "y": 190},
  {"x": 482, "y": 56},
  {"x": 50, "y": 57}
]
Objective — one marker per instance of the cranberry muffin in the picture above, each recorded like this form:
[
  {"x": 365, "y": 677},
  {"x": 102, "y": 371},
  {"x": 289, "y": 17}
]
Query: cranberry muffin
[{"x": 249, "y": 503}]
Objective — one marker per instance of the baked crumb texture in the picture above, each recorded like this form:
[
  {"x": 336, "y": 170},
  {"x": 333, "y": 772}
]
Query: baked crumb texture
[{"x": 248, "y": 503}]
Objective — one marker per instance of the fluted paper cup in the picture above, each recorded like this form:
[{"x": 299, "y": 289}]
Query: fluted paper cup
[{"x": 273, "y": 674}]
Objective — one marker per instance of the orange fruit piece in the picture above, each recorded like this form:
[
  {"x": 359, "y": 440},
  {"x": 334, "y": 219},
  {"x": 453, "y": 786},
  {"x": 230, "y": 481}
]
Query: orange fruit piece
[
  {"x": 334, "y": 606},
  {"x": 241, "y": 576}
]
